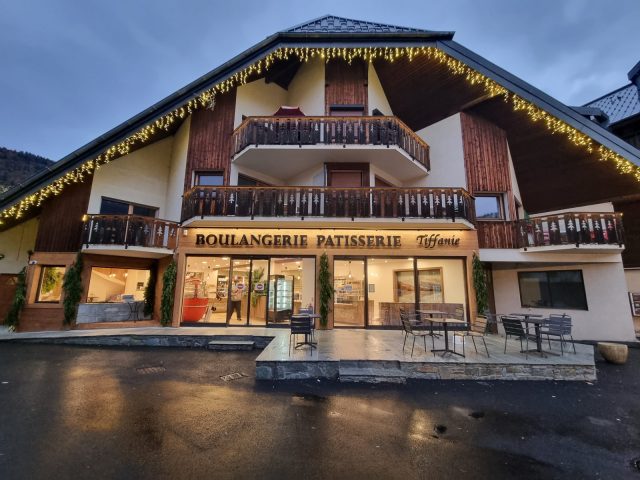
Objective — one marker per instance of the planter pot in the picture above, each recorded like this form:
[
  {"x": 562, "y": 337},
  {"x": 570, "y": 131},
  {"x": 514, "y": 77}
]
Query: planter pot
[
  {"x": 613, "y": 352},
  {"x": 193, "y": 309}
]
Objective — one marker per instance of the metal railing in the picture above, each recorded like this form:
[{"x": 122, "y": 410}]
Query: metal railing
[
  {"x": 129, "y": 230},
  {"x": 385, "y": 131},
  {"x": 329, "y": 202}
]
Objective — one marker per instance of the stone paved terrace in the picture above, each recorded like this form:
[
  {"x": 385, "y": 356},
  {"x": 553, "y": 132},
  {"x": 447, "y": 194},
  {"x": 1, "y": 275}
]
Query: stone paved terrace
[{"x": 349, "y": 355}]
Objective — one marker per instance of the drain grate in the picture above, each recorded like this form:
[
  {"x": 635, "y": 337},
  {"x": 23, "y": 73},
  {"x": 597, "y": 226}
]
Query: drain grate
[
  {"x": 233, "y": 376},
  {"x": 150, "y": 370}
]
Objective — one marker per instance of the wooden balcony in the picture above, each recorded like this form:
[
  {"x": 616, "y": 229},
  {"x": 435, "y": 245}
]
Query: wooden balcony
[
  {"x": 577, "y": 229},
  {"x": 340, "y": 132},
  {"x": 449, "y": 204},
  {"x": 126, "y": 231}
]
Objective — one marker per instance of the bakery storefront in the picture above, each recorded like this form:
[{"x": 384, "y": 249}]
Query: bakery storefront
[{"x": 260, "y": 277}]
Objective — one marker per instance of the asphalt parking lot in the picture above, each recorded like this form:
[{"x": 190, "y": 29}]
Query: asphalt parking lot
[{"x": 76, "y": 412}]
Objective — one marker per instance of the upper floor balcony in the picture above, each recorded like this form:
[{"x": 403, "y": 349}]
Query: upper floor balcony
[
  {"x": 116, "y": 234},
  {"x": 268, "y": 144},
  {"x": 581, "y": 232},
  {"x": 444, "y": 207}
]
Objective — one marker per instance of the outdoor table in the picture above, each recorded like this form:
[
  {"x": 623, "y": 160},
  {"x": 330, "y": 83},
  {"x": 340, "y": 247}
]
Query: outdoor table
[
  {"x": 307, "y": 336},
  {"x": 431, "y": 314},
  {"x": 536, "y": 320},
  {"x": 445, "y": 322}
]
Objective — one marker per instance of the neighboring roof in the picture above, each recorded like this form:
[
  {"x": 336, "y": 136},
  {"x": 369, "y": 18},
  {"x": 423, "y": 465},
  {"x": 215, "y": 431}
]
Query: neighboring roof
[
  {"x": 619, "y": 104},
  {"x": 333, "y": 24},
  {"x": 344, "y": 33}
]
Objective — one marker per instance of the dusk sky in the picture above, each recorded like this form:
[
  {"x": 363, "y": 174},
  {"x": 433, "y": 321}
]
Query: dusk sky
[{"x": 71, "y": 70}]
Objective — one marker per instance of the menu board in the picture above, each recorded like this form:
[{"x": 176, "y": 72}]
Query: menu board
[{"x": 634, "y": 299}]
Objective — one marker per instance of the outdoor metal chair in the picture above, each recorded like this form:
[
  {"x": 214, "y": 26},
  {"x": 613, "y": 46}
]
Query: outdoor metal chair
[
  {"x": 411, "y": 326},
  {"x": 478, "y": 329},
  {"x": 558, "y": 326},
  {"x": 513, "y": 328},
  {"x": 309, "y": 311},
  {"x": 300, "y": 325}
]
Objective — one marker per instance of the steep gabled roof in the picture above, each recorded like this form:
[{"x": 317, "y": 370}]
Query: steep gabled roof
[
  {"x": 619, "y": 104},
  {"x": 326, "y": 32},
  {"x": 334, "y": 24}
]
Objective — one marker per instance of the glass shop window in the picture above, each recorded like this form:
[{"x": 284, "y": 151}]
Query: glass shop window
[
  {"x": 50, "y": 284},
  {"x": 553, "y": 289}
]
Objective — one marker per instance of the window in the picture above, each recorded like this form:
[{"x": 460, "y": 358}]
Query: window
[
  {"x": 553, "y": 289},
  {"x": 489, "y": 207},
  {"x": 50, "y": 284},
  {"x": 346, "y": 110},
  {"x": 209, "y": 179},
  {"x": 109, "y": 206},
  {"x": 117, "y": 284}
]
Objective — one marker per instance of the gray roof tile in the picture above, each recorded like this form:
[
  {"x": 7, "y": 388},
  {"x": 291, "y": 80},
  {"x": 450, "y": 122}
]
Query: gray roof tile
[
  {"x": 333, "y": 24},
  {"x": 619, "y": 104}
]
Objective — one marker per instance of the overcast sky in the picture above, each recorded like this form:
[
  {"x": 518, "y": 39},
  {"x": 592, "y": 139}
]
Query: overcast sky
[{"x": 71, "y": 70}]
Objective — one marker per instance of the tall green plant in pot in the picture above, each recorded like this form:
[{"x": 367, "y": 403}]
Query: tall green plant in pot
[
  {"x": 326, "y": 289},
  {"x": 150, "y": 293},
  {"x": 12, "y": 320},
  {"x": 72, "y": 288},
  {"x": 168, "y": 292},
  {"x": 480, "y": 285}
]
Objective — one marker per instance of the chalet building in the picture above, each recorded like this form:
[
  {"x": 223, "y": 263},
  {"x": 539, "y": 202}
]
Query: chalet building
[{"x": 395, "y": 151}]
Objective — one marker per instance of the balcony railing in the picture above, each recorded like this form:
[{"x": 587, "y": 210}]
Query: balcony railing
[
  {"x": 129, "y": 231},
  {"x": 574, "y": 228},
  {"x": 384, "y": 131},
  {"x": 329, "y": 202}
]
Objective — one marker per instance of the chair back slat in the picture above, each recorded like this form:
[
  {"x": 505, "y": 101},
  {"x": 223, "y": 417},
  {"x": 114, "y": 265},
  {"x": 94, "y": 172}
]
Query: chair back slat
[
  {"x": 512, "y": 326},
  {"x": 480, "y": 325},
  {"x": 300, "y": 324}
]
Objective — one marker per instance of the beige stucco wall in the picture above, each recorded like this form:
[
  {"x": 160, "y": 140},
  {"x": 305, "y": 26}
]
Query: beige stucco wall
[
  {"x": 140, "y": 177},
  {"x": 306, "y": 90},
  {"x": 632, "y": 276},
  {"x": 177, "y": 169},
  {"x": 258, "y": 98},
  {"x": 377, "y": 97},
  {"x": 446, "y": 153},
  {"x": 14, "y": 244},
  {"x": 608, "y": 317}
]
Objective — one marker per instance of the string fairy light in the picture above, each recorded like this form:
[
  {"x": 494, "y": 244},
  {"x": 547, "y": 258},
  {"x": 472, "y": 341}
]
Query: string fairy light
[{"x": 207, "y": 98}]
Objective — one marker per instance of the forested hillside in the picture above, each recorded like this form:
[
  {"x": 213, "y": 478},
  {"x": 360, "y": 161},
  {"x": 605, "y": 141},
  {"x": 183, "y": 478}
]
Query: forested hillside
[{"x": 15, "y": 167}]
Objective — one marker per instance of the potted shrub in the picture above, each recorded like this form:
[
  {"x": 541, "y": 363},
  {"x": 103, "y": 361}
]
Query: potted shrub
[{"x": 194, "y": 307}]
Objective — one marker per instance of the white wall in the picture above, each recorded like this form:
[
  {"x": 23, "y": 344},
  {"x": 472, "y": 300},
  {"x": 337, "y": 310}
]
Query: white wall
[
  {"x": 140, "y": 177},
  {"x": 375, "y": 171},
  {"x": 514, "y": 186},
  {"x": 258, "y": 98},
  {"x": 306, "y": 90},
  {"x": 313, "y": 176},
  {"x": 249, "y": 172},
  {"x": 14, "y": 244},
  {"x": 632, "y": 276},
  {"x": 377, "y": 97},
  {"x": 606, "y": 207},
  {"x": 177, "y": 170},
  {"x": 446, "y": 153},
  {"x": 609, "y": 315}
]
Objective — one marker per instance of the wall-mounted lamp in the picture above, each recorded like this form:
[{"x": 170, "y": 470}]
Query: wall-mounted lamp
[
  {"x": 1, "y": 256},
  {"x": 185, "y": 232}
]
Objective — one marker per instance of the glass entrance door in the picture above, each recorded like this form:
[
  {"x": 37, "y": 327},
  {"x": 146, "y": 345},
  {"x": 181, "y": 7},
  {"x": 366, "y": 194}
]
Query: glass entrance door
[
  {"x": 248, "y": 292},
  {"x": 349, "y": 299}
]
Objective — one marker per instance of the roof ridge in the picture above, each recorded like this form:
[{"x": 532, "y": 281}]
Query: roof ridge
[
  {"x": 607, "y": 94},
  {"x": 316, "y": 25}
]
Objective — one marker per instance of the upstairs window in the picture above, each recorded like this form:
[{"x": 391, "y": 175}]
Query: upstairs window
[
  {"x": 489, "y": 207},
  {"x": 209, "y": 179},
  {"x": 346, "y": 110},
  {"x": 109, "y": 206}
]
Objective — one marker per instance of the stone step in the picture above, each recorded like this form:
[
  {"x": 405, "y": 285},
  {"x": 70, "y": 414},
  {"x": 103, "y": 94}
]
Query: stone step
[
  {"x": 371, "y": 375},
  {"x": 231, "y": 345}
]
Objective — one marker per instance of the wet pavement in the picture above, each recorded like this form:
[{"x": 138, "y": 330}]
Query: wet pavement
[{"x": 79, "y": 412}]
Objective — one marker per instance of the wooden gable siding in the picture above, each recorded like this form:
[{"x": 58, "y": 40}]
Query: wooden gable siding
[
  {"x": 210, "y": 138},
  {"x": 60, "y": 225},
  {"x": 346, "y": 84}
]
